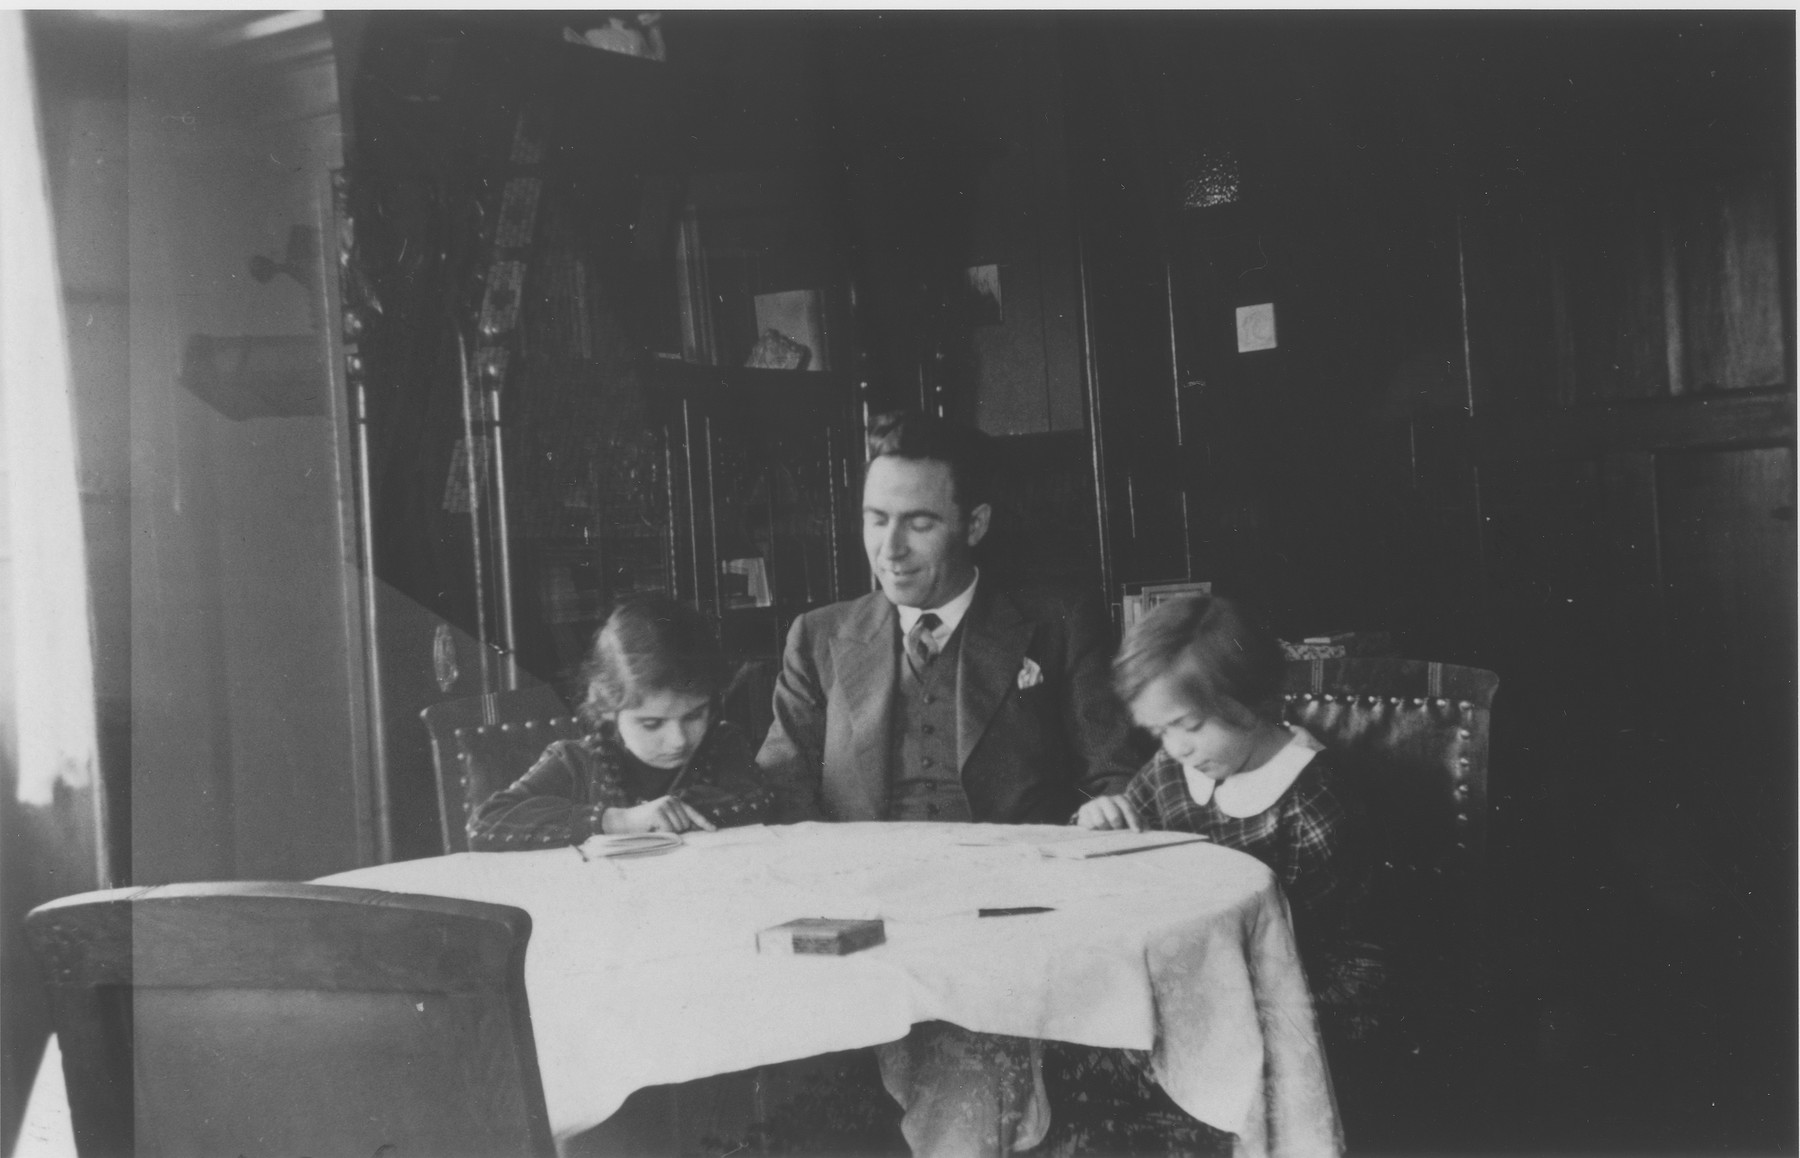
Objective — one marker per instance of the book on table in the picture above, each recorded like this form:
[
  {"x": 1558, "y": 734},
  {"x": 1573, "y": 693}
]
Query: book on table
[
  {"x": 822, "y": 936},
  {"x": 628, "y": 844}
]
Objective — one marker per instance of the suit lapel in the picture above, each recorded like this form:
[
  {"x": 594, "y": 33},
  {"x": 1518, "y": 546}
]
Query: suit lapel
[
  {"x": 864, "y": 662},
  {"x": 995, "y": 637}
]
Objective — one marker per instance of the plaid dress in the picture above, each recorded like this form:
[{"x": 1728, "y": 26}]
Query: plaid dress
[
  {"x": 560, "y": 800},
  {"x": 1318, "y": 839}
]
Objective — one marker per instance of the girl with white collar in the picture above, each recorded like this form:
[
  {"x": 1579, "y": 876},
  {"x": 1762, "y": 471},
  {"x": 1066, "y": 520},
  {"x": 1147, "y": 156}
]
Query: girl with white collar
[{"x": 1205, "y": 677}]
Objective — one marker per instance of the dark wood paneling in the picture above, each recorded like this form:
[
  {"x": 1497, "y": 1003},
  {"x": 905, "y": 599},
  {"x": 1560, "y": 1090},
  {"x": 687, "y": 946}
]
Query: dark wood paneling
[
  {"x": 1126, "y": 314},
  {"x": 1729, "y": 258},
  {"x": 1670, "y": 288},
  {"x": 1544, "y": 548},
  {"x": 1515, "y": 338},
  {"x": 1634, "y": 613},
  {"x": 1534, "y": 284},
  {"x": 1688, "y": 422},
  {"x": 1610, "y": 266},
  {"x": 1043, "y": 529},
  {"x": 1725, "y": 539}
]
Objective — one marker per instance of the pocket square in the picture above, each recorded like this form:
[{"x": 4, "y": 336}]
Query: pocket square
[{"x": 1030, "y": 675}]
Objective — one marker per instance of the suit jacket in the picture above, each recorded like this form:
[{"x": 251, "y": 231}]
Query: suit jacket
[{"x": 1027, "y": 755}]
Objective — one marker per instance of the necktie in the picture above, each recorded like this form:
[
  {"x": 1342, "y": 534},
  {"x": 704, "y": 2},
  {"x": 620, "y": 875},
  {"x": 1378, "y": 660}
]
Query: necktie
[{"x": 919, "y": 648}]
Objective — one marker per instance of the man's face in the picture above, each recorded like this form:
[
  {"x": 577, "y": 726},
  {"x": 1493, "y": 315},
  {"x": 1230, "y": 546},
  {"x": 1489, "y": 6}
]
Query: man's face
[{"x": 918, "y": 540}]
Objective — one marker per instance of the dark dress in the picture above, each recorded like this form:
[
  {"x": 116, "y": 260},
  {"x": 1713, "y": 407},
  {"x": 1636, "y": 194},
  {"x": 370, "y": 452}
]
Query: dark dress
[
  {"x": 560, "y": 800},
  {"x": 1319, "y": 840}
]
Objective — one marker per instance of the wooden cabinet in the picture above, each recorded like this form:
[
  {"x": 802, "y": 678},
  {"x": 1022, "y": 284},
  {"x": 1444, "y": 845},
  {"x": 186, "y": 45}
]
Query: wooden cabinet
[
  {"x": 735, "y": 493},
  {"x": 546, "y": 308},
  {"x": 764, "y": 471}
]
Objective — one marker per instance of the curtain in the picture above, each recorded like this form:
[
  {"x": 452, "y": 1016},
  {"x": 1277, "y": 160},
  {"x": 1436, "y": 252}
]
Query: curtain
[{"x": 49, "y": 665}]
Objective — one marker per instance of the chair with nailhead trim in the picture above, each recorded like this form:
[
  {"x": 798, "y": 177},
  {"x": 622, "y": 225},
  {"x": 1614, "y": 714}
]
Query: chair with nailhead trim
[
  {"x": 482, "y": 744},
  {"x": 1416, "y": 733},
  {"x": 288, "y": 1019}
]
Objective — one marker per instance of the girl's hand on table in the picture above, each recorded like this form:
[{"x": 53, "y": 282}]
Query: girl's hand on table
[
  {"x": 664, "y": 814},
  {"x": 1104, "y": 812}
]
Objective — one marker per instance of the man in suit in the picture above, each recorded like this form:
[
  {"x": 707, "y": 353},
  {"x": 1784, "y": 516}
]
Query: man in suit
[{"x": 939, "y": 697}]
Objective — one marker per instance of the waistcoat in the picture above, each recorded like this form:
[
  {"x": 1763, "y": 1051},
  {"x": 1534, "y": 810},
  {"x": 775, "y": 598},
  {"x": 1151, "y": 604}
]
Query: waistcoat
[{"x": 927, "y": 783}]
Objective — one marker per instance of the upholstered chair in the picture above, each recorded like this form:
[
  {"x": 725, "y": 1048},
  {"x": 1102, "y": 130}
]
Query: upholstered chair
[
  {"x": 1416, "y": 735},
  {"x": 482, "y": 744}
]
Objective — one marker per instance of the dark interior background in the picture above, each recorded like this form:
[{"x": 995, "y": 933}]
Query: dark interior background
[{"x": 1520, "y": 416}]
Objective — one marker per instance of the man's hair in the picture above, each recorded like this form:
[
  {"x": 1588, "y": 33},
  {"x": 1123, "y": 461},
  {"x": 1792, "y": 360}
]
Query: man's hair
[
  {"x": 913, "y": 434},
  {"x": 1222, "y": 657}
]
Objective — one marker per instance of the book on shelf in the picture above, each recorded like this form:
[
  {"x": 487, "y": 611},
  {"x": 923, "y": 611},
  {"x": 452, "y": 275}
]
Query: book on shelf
[
  {"x": 745, "y": 582},
  {"x": 1139, "y": 598}
]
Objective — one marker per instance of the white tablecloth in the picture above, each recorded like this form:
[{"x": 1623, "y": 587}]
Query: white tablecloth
[{"x": 644, "y": 971}]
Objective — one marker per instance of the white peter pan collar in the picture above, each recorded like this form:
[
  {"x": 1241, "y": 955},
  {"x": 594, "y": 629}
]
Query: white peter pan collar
[{"x": 1249, "y": 793}]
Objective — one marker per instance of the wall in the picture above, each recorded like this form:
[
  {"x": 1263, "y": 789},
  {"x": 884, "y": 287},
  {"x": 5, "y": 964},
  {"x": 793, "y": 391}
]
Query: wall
[
  {"x": 245, "y": 746},
  {"x": 228, "y": 645}
]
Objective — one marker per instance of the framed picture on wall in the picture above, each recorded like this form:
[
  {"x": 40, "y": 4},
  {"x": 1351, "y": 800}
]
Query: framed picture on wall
[{"x": 979, "y": 303}]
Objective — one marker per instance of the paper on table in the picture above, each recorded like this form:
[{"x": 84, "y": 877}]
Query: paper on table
[
  {"x": 982, "y": 837},
  {"x": 1114, "y": 843},
  {"x": 733, "y": 837}
]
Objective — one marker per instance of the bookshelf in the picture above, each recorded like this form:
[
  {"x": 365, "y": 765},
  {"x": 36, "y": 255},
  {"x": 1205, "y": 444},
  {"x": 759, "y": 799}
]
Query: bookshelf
[{"x": 765, "y": 466}]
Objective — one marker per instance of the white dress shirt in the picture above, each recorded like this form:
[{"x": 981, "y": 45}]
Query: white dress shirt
[{"x": 949, "y": 616}]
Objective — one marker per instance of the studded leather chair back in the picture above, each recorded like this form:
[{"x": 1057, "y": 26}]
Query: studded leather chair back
[
  {"x": 1417, "y": 733},
  {"x": 482, "y": 744}
]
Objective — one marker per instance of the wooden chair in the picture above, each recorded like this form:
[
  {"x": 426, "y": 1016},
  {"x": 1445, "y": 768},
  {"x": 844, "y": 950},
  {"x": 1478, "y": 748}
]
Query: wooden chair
[
  {"x": 291, "y": 1019},
  {"x": 482, "y": 744},
  {"x": 1417, "y": 734}
]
